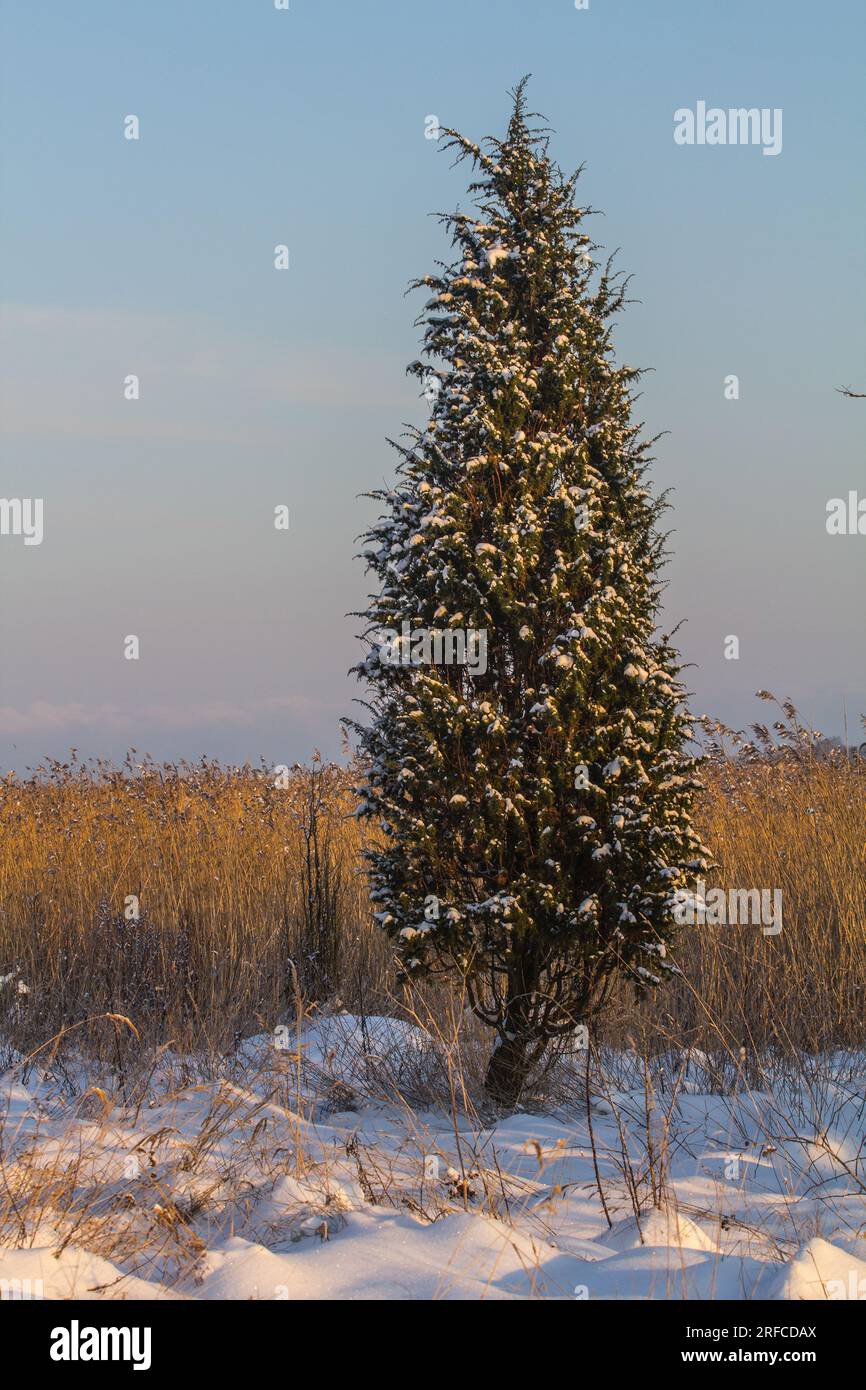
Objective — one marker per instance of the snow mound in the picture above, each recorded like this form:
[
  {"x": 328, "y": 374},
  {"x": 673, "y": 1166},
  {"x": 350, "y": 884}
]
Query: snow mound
[
  {"x": 375, "y": 1034},
  {"x": 380, "y": 1255},
  {"x": 346, "y": 1054},
  {"x": 820, "y": 1270},
  {"x": 371, "y": 1053},
  {"x": 658, "y": 1229},
  {"x": 72, "y": 1273}
]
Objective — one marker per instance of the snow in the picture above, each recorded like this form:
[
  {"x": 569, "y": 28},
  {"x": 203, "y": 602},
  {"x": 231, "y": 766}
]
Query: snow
[
  {"x": 822, "y": 1270},
  {"x": 325, "y": 1163},
  {"x": 72, "y": 1273}
]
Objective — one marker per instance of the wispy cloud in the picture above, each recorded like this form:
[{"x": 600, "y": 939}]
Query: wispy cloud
[
  {"x": 63, "y": 374},
  {"x": 44, "y": 716}
]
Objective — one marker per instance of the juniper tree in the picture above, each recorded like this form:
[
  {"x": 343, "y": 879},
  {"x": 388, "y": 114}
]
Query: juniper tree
[{"x": 536, "y": 818}]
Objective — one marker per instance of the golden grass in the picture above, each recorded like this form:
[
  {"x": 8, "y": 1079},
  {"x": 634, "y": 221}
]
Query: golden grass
[
  {"x": 798, "y": 825},
  {"x": 253, "y": 894},
  {"x": 232, "y": 907}
]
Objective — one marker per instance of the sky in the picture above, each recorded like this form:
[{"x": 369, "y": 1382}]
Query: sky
[{"x": 261, "y": 387}]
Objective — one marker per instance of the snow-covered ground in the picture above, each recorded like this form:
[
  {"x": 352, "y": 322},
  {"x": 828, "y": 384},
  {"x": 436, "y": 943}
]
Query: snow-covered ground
[{"x": 293, "y": 1176}]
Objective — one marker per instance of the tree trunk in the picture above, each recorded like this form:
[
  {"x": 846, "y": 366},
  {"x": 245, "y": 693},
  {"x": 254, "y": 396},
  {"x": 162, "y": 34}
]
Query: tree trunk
[{"x": 506, "y": 1071}]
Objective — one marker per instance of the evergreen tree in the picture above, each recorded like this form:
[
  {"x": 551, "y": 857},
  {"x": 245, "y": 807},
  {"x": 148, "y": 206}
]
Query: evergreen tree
[{"x": 536, "y": 817}]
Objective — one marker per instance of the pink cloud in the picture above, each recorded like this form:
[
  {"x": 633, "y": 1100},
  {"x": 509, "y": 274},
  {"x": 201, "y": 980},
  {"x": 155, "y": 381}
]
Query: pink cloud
[{"x": 43, "y": 715}]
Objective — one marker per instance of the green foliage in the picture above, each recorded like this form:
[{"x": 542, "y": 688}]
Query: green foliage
[{"x": 544, "y": 805}]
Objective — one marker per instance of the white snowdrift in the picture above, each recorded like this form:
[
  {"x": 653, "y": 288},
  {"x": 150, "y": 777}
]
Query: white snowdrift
[{"x": 242, "y": 1187}]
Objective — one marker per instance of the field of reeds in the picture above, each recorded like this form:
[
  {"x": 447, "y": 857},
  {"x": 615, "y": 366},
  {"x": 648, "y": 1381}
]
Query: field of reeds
[{"x": 202, "y": 903}]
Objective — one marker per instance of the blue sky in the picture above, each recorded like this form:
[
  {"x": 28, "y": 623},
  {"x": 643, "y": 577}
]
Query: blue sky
[{"x": 261, "y": 387}]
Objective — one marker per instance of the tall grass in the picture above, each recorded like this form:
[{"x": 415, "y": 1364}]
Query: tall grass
[
  {"x": 249, "y": 888},
  {"x": 780, "y": 811},
  {"x": 251, "y": 894}
]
